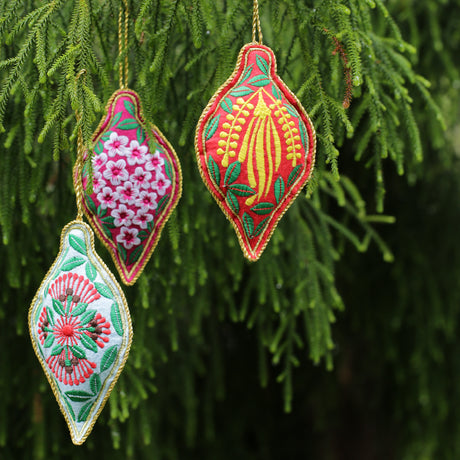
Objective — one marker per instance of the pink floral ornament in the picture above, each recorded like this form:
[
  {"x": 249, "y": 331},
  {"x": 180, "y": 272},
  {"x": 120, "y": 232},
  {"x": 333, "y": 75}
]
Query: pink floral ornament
[{"x": 136, "y": 184}]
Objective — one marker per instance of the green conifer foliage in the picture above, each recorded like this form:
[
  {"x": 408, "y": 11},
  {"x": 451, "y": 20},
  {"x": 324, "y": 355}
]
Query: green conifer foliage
[{"x": 224, "y": 348}]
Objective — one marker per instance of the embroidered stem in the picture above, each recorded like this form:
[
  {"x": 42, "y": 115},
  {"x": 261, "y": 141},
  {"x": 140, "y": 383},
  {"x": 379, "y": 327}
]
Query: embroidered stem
[
  {"x": 123, "y": 46},
  {"x": 256, "y": 23}
]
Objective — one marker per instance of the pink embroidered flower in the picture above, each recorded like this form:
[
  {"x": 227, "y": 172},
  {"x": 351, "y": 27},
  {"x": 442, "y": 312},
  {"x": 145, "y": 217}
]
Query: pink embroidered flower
[
  {"x": 137, "y": 153},
  {"x": 123, "y": 216},
  {"x": 116, "y": 171},
  {"x": 116, "y": 145},
  {"x": 98, "y": 182},
  {"x": 108, "y": 198},
  {"x": 127, "y": 193},
  {"x": 99, "y": 161},
  {"x": 160, "y": 184},
  {"x": 147, "y": 200},
  {"x": 155, "y": 162},
  {"x": 142, "y": 218},
  {"x": 141, "y": 178},
  {"x": 128, "y": 237}
]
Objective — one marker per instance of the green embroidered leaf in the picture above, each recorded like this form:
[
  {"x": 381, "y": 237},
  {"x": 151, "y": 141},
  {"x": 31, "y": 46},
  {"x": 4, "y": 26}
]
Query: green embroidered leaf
[
  {"x": 259, "y": 80},
  {"x": 151, "y": 223},
  {"x": 95, "y": 384},
  {"x": 78, "y": 351},
  {"x": 115, "y": 120},
  {"x": 248, "y": 223},
  {"x": 128, "y": 123},
  {"x": 129, "y": 106},
  {"x": 263, "y": 208},
  {"x": 293, "y": 175},
  {"x": 162, "y": 204},
  {"x": 140, "y": 134},
  {"x": 91, "y": 271},
  {"x": 260, "y": 228},
  {"x": 106, "y": 136},
  {"x": 232, "y": 173},
  {"x": 116, "y": 319},
  {"x": 246, "y": 74},
  {"x": 50, "y": 315},
  {"x": 242, "y": 189},
  {"x": 279, "y": 189},
  {"x": 87, "y": 317},
  {"x": 303, "y": 135},
  {"x": 79, "y": 309},
  {"x": 58, "y": 307},
  {"x": 142, "y": 235},
  {"x": 71, "y": 263},
  {"x": 99, "y": 148},
  {"x": 90, "y": 203},
  {"x": 57, "y": 350},
  {"x": 106, "y": 230},
  {"x": 227, "y": 105},
  {"x": 276, "y": 92},
  {"x": 71, "y": 412},
  {"x": 291, "y": 110},
  {"x": 78, "y": 395},
  {"x": 214, "y": 170},
  {"x": 108, "y": 358},
  {"x": 122, "y": 251},
  {"x": 88, "y": 342},
  {"x": 49, "y": 341},
  {"x": 103, "y": 290},
  {"x": 108, "y": 221},
  {"x": 168, "y": 169},
  {"x": 212, "y": 127},
  {"x": 134, "y": 256},
  {"x": 78, "y": 244},
  {"x": 262, "y": 64},
  {"x": 84, "y": 412},
  {"x": 101, "y": 212},
  {"x": 232, "y": 202},
  {"x": 241, "y": 91}
]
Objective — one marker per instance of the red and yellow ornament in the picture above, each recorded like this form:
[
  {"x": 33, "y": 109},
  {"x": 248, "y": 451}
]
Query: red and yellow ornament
[{"x": 255, "y": 147}]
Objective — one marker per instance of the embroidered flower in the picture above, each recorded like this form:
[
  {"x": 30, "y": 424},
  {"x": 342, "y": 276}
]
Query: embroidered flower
[
  {"x": 98, "y": 182},
  {"x": 108, "y": 198},
  {"x": 123, "y": 216},
  {"x": 160, "y": 184},
  {"x": 127, "y": 192},
  {"x": 128, "y": 237},
  {"x": 69, "y": 328},
  {"x": 155, "y": 162},
  {"x": 141, "y": 178},
  {"x": 99, "y": 161},
  {"x": 142, "y": 218},
  {"x": 147, "y": 200},
  {"x": 116, "y": 171},
  {"x": 116, "y": 145},
  {"x": 137, "y": 153}
]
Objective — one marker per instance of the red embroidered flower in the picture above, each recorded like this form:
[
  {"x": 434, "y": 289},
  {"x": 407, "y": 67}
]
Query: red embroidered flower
[{"x": 70, "y": 328}]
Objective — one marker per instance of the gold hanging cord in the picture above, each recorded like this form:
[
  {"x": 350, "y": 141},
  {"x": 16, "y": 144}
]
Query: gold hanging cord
[
  {"x": 123, "y": 45},
  {"x": 79, "y": 163},
  {"x": 256, "y": 23}
]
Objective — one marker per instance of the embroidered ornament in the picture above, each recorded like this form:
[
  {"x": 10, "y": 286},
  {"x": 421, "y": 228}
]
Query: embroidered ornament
[
  {"x": 81, "y": 329},
  {"x": 255, "y": 146},
  {"x": 136, "y": 184}
]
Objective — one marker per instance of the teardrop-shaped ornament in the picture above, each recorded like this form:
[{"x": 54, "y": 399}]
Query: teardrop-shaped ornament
[
  {"x": 81, "y": 329},
  {"x": 255, "y": 147},
  {"x": 136, "y": 184}
]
